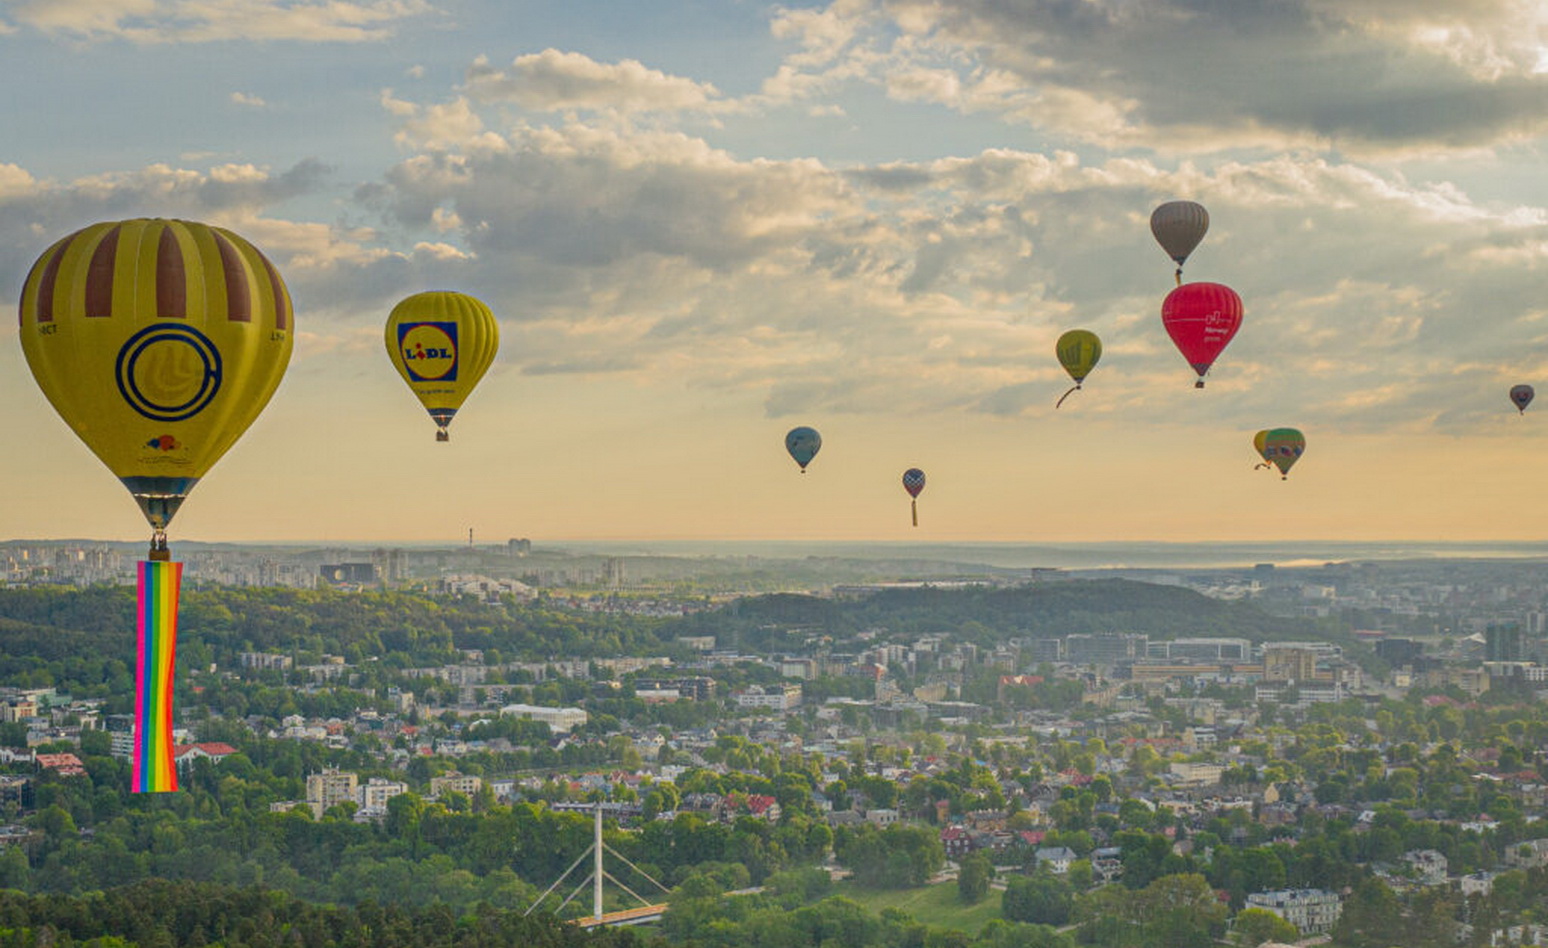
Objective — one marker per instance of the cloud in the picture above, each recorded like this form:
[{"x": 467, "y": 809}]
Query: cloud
[
  {"x": 584, "y": 197},
  {"x": 204, "y": 21},
  {"x": 941, "y": 285},
  {"x": 35, "y": 212},
  {"x": 248, "y": 101},
  {"x": 440, "y": 127},
  {"x": 15, "y": 181},
  {"x": 552, "y": 81},
  {"x": 1196, "y": 75},
  {"x": 1367, "y": 77}
]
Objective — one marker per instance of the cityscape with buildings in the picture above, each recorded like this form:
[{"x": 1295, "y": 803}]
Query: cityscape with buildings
[{"x": 1068, "y": 735}]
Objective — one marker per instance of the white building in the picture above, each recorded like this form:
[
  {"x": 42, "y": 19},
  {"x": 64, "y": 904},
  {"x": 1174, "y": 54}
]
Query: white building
[
  {"x": 1429, "y": 866},
  {"x": 1313, "y": 911},
  {"x": 376, "y": 792},
  {"x": 1196, "y": 773},
  {"x": 557, "y": 719},
  {"x": 1530, "y": 854},
  {"x": 774, "y": 697},
  {"x": 1058, "y": 858},
  {"x": 1477, "y": 883}
]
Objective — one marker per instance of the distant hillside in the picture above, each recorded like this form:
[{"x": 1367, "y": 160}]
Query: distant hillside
[
  {"x": 84, "y": 639},
  {"x": 990, "y": 615}
]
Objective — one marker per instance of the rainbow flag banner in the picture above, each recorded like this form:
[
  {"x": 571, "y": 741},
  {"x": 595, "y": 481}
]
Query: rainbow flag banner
[{"x": 153, "y": 770}]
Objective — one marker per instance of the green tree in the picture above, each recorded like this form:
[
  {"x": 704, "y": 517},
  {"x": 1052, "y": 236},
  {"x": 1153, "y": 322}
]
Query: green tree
[
  {"x": 1371, "y": 917},
  {"x": 1254, "y": 926},
  {"x": 973, "y": 877},
  {"x": 1041, "y": 898}
]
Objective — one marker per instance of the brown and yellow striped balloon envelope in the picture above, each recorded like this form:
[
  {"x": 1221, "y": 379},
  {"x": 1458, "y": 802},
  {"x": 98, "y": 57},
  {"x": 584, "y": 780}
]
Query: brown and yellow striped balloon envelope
[{"x": 158, "y": 342}]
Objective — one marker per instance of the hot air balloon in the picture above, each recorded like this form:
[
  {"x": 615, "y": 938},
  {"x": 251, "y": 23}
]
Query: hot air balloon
[
  {"x": 442, "y": 343},
  {"x": 803, "y": 443},
  {"x": 1281, "y": 447},
  {"x": 1521, "y": 396},
  {"x": 914, "y": 482},
  {"x": 1201, "y": 318},
  {"x": 1078, "y": 351},
  {"x": 158, "y": 342},
  {"x": 1178, "y": 227}
]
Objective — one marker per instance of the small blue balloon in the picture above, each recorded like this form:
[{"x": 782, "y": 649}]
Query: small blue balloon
[{"x": 803, "y": 443}]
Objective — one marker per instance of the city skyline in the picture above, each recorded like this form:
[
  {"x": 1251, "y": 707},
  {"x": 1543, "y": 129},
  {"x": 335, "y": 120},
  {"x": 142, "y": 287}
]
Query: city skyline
[{"x": 702, "y": 224}]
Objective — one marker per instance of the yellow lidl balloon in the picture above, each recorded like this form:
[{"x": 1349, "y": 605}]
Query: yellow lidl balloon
[
  {"x": 1078, "y": 351},
  {"x": 442, "y": 343},
  {"x": 158, "y": 342}
]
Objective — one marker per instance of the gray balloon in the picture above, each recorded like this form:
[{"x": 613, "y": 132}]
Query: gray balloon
[{"x": 1179, "y": 226}]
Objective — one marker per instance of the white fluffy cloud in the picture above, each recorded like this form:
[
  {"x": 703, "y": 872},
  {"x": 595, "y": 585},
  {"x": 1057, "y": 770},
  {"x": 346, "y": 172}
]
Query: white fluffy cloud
[{"x": 553, "y": 81}]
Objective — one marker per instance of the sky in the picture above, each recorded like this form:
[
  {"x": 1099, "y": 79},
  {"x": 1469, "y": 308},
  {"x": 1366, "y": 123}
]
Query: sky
[{"x": 704, "y": 222}]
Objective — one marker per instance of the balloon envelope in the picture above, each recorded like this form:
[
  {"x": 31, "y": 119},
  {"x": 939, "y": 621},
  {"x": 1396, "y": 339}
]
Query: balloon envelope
[
  {"x": 913, "y": 481},
  {"x": 803, "y": 443},
  {"x": 1201, "y": 318},
  {"x": 1078, "y": 351},
  {"x": 1178, "y": 227},
  {"x": 442, "y": 343},
  {"x": 1281, "y": 447},
  {"x": 158, "y": 342},
  {"x": 1521, "y": 396}
]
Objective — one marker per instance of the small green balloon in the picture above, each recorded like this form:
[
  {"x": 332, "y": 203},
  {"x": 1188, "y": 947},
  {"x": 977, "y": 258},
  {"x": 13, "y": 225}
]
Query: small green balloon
[{"x": 1078, "y": 351}]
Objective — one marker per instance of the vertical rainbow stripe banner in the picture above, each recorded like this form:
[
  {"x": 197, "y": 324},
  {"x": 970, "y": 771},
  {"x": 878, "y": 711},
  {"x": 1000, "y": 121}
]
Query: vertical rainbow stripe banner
[{"x": 153, "y": 769}]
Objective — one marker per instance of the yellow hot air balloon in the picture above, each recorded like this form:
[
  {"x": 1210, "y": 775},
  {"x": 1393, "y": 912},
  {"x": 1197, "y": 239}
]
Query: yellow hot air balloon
[
  {"x": 158, "y": 342},
  {"x": 442, "y": 343},
  {"x": 1281, "y": 447},
  {"x": 1078, "y": 351}
]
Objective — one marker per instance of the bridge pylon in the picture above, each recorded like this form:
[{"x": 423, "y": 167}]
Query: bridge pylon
[{"x": 645, "y": 912}]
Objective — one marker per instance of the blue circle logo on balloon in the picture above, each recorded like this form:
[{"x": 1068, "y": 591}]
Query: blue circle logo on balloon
[
  {"x": 429, "y": 351},
  {"x": 168, "y": 372}
]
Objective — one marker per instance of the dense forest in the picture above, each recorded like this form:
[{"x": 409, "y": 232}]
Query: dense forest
[
  {"x": 989, "y": 615},
  {"x": 167, "y": 914}
]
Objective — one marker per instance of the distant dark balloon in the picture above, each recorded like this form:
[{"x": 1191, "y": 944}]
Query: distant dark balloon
[
  {"x": 914, "y": 482},
  {"x": 1178, "y": 227},
  {"x": 1521, "y": 396},
  {"x": 1201, "y": 318},
  {"x": 803, "y": 443}
]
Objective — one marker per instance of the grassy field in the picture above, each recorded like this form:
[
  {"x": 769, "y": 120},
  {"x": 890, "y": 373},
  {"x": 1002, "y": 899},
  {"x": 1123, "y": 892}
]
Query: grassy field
[{"x": 933, "y": 905}]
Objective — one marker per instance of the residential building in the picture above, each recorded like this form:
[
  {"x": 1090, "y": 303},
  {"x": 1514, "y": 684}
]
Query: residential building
[
  {"x": 376, "y": 792},
  {"x": 774, "y": 697},
  {"x": 1058, "y": 858},
  {"x": 1313, "y": 911},
  {"x": 465, "y": 784},
  {"x": 1429, "y": 865},
  {"x": 328, "y": 789},
  {"x": 557, "y": 719}
]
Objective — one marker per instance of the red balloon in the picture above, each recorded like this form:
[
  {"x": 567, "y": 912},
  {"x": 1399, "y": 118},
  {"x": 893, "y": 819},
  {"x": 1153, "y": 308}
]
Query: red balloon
[{"x": 1201, "y": 318}]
